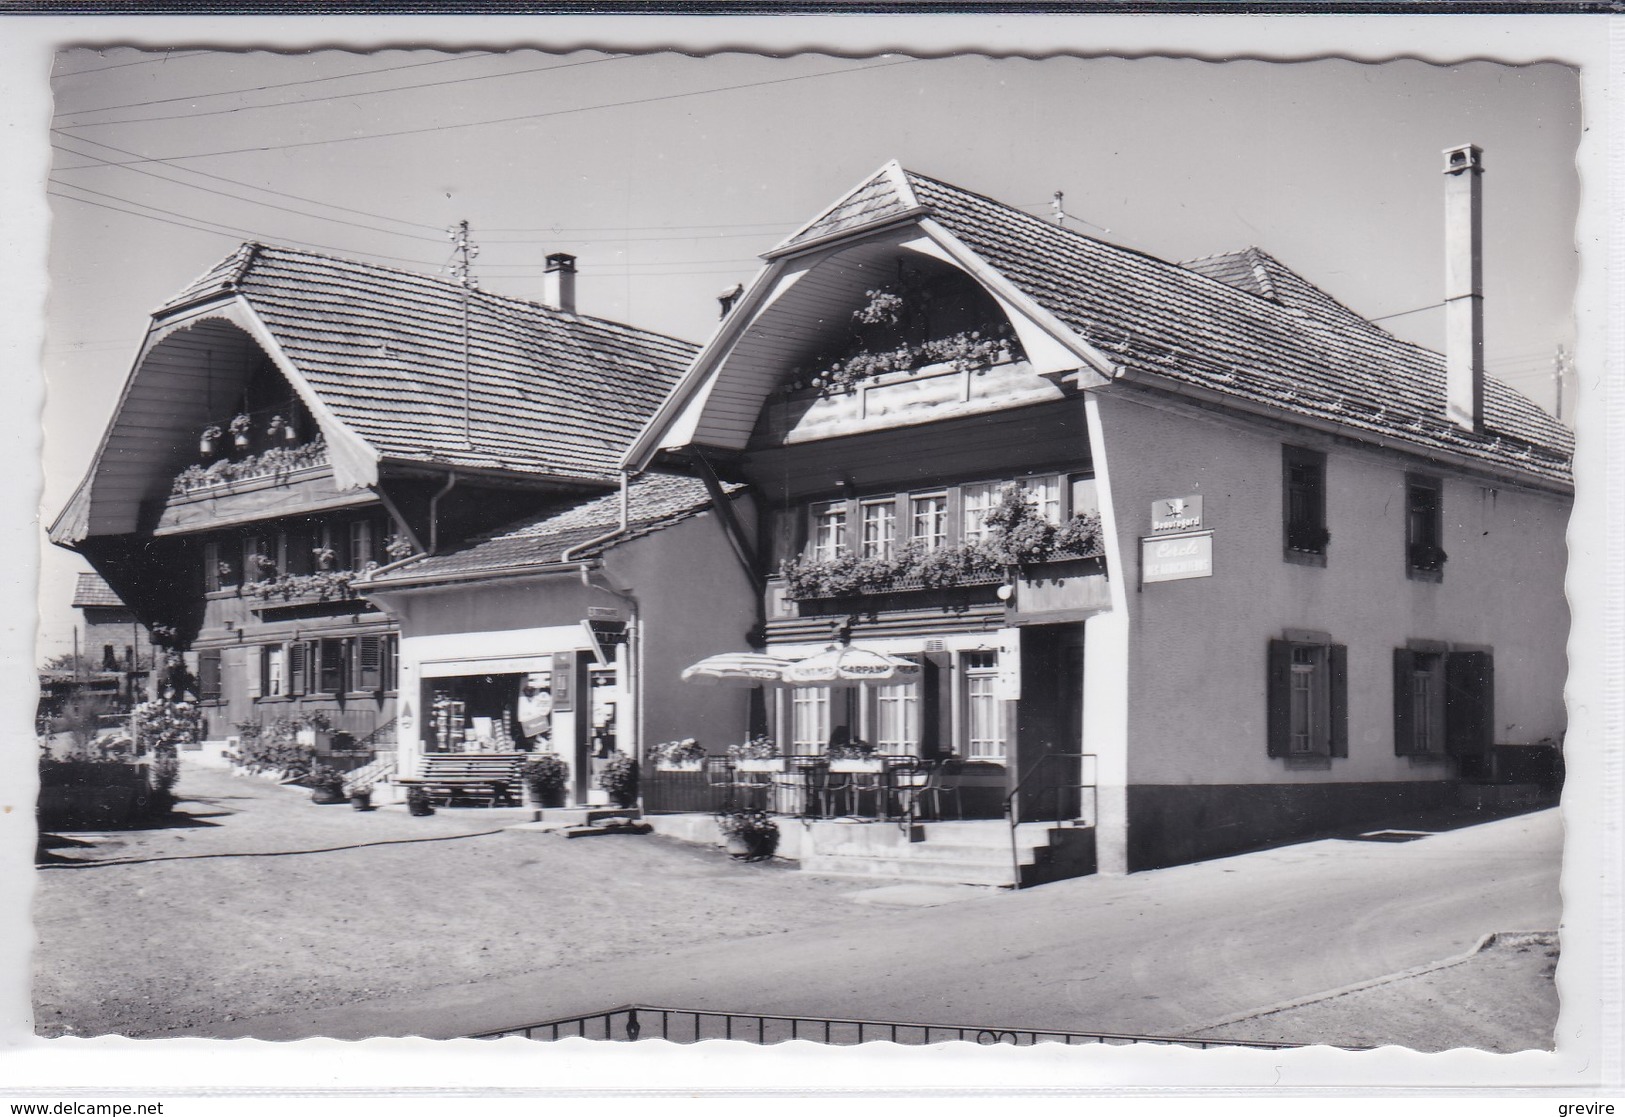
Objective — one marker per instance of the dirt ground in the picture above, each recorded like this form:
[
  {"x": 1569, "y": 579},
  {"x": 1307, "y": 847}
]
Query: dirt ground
[
  {"x": 214, "y": 919},
  {"x": 252, "y": 901}
]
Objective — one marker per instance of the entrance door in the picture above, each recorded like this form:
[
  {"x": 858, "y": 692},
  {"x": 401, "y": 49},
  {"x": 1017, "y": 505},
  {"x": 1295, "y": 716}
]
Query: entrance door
[{"x": 1049, "y": 722}]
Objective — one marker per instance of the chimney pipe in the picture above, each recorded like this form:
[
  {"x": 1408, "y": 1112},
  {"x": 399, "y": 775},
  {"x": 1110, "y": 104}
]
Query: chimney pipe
[
  {"x": 1464, "y": 287},
  {"x": 559, "y": 282}
]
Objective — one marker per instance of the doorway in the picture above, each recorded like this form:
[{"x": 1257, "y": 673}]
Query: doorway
[{"x": 1049, "y": 722}]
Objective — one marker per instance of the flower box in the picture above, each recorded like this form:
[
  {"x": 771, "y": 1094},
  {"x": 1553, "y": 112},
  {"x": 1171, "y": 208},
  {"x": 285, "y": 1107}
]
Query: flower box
[
  {"x": 679, "y": 765},
  {"x": 857, "y": 764},
  {"x": 771, "y": 764}
]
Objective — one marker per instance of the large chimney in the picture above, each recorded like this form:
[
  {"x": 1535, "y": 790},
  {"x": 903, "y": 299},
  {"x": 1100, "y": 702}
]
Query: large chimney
[
  {"x": 559, "y": 282},
  {"x": 1464, "y": 287}
]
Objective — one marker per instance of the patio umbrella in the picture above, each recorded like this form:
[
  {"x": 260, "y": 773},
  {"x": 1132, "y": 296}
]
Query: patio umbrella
[
  {"x": 850, "y": 665},
  {"x": 736, "y": 669}
]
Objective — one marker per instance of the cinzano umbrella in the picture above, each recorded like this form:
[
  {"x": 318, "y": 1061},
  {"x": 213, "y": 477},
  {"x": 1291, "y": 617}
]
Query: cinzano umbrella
[{"x": 736, "y": 669}]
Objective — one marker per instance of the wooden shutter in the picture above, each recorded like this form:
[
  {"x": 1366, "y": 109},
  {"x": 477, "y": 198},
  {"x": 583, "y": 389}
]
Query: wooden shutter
[
  {"x": 1469, "y": 703},
  {"x": 1404, "y": 723},
  {"x": 1279, "y": 696},
  {"x": 1338, "y": 660},
  {"x": 295, "y": 668},
  {"x": 251, "y": 671},
  {"x": 368, "y": 663},
  {"x": 208, "y": 675},
  {"x": 211, "y": 566},
  {"x": 390, "y": 671},
  {"x": 331, "y": 667}
]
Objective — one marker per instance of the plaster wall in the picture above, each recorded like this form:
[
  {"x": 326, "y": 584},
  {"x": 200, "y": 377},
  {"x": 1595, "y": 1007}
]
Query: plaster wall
[{"x": 1195, "y": 694}]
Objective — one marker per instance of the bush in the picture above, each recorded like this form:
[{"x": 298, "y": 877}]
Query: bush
[
  {"x": 620, "y": 779},
  {"x": 545, "y": 773},
  {"x": 752, "y": 827}
]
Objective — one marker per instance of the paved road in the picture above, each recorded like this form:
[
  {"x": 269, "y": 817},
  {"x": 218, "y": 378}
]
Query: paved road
[{"x": 1159, "y": 952}]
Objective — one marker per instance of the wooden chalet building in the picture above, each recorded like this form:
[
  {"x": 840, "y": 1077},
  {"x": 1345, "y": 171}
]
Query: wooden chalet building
[
  {"x": 293, "y": 421},
  {"x": 1277, "y": 572}
]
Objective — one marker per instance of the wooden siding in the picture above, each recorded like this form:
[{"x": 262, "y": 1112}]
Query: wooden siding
[
  {"x": 262, "y": 498},
  {"x": 1046, "y": 437}
]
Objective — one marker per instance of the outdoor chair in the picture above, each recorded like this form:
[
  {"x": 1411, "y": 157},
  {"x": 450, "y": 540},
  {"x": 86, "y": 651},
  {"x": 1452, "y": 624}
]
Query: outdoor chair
[
  {"x": 719, "y": 781},
  {"x": 911, "y": 781}
]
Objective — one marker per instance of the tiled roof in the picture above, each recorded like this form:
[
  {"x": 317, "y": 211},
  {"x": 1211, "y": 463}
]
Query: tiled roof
[
  {"x": 93, "y": 590},
  {"x": 884, "y": 195},
  {"x": 1245, "y": 326},
  {"x": 551, "y": 393},
  {"x": 654, "y": 501}
]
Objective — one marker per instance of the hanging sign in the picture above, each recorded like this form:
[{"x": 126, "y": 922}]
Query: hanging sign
[
  {"x": 1176, "y": 513},
  {"x": 564, "y": 665},
  {"x": 604, "y": 635},
  {"x": 1171, "y": 558},
  {"x": 1007, "y": 685}
]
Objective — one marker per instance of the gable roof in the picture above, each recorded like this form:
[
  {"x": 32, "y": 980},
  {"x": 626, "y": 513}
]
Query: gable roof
[
  {"x": 1240, "y": 325},
  {"x": 552, "y": 393},
  {"x": 654, "y": 502},
  {"x": 1294, "y": 349},
  {"x": 92, "y": 590}
]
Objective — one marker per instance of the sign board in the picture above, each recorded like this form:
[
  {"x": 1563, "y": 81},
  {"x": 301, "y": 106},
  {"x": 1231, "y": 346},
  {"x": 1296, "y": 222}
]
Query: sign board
[
  {"x": 604, "y": 635},
  {"x": 1176, "y": 513},
  {"x": 603, "y": 613},
  {"x": 1171, "y": 558},
  {"x": 564, "y": 665},
  {"x": 1007, "y": 686}
]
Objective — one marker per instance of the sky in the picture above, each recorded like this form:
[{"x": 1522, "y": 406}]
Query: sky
[{"x": 667, "y": 174}]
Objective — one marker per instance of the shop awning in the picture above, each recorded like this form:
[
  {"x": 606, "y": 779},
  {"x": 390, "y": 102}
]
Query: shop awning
[{"x": 737, "y": 669}]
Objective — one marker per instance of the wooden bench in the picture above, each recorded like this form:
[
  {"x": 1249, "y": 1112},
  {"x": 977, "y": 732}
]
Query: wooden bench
[{"x": 491, "y": 778}]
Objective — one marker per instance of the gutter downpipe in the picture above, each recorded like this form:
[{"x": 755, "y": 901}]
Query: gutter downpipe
[
  {"x": 434, "y": 531},
  {"x": 569, "y": 552}
]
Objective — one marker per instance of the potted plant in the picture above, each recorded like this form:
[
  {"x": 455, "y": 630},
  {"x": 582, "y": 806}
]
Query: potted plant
[
  {"x": 620, "y": 779},
  {"x": 361, "y": 797},
  {"x": 206, "y": 444},
  {"x": 546, "y": 775},
  {"x": 854, "y": 757},
  {"x": 687, "y": 755},
  {"x": 239, "y": 431},
  {"x": 418, "y": 803},
  {"x": 326, "y": 785},
  {"x": 759, "y": 754},
  {"x": 748, "y": 834}
]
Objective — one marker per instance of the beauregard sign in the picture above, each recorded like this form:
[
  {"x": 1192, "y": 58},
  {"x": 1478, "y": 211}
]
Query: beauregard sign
[
  {"x": 1177, "y": 513},
  {"x": 1170, "y": 558}
]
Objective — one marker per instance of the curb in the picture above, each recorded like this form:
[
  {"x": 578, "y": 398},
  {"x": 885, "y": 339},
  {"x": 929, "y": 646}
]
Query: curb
[{"x": 1494, "y": 938}]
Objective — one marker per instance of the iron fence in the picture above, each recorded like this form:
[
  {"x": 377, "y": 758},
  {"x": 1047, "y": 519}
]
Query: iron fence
[{"x": 680, "y": 1025}]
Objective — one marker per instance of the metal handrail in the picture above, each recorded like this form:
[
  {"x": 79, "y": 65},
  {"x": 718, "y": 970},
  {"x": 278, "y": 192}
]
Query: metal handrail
[
  {"x": 638, "y": 1021},
  {"x": 1012, "y": 808}
]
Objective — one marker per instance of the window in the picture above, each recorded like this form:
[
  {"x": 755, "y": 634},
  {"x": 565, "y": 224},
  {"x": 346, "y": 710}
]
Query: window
[
  {"x": 809, "y": 718},
  {"x": 879, "y": 528},
  {"x": 211, "y": 566},
  {"x": 259, "y": 558},
  {"x": 271, "y": 680},
  {"x": 1044, "y": 495},
  {"x": 208, "y": 675},
  {"x": 1424, "y": 555},
  {"x": 980, "y": 499},
  {"x": 299, "y": 668},
  {"x": 929, "y": 520},
  {"x": 368, "y": 663},
  {"x": 829, "y": 531},
  {"x": 361, "y": 543},
  {"x": 1303, "y": 504},
  {"x": 984, "y": 715},
  {"x": 897, "y": 717},
  {"x": 1308, "y": 698},
  {"x": 1444, "y": 702},
  {"x": 330, "y": 666}
]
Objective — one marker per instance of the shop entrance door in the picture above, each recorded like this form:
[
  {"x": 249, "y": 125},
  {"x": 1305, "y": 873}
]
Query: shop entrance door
[{"x": 1049, "y": 722}]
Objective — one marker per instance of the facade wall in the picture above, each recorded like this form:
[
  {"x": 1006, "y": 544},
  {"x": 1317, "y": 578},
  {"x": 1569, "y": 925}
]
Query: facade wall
[{"x": 1196, "y": 649}]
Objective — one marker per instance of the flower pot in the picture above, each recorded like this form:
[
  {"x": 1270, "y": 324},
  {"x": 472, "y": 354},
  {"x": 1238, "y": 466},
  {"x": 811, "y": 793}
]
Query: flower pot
[
  {"x": 737, "y": 847},
  {"x": 326, "y": 796},
  {"x": 679, "y": 766},
  {"x": 855, "y": 765},
  {"x": 419, "y": 808},
  {"x": 771, "y": 764},
  {"x": 240, "y": 441},
  {"x": 361, "y": 800},
  {"x": 547, "y": 796},
  {"x": 205, "y": 447}
]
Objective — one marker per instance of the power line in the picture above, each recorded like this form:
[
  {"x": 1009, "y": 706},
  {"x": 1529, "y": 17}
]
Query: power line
[
  {"x": 250, "y": 201},
  {"x": 342, "y": 96},
  {"x": 265, "y": 88},
  {"x": 528, "y": 116},
  {"x": 168, "y": 57},
  {"x": 1402, "y": 313}
]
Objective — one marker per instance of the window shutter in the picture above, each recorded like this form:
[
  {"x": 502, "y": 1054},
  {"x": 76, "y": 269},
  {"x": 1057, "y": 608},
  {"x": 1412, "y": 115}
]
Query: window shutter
[
  {"x": 295, "y": 667},
  {"x": 208, "y": 675},
  {"x": 369, "y": 664},
  {"x": 390, "y": 671},
  {"x": 1279, "y": 692},
  {"x": 1469, "y": 703},
  {"x": 251, "y": 674},
  {"x": 1338, "y": 659},
  {"x": 211, "y": 565},
  {"x": 1404, "y": 727}
]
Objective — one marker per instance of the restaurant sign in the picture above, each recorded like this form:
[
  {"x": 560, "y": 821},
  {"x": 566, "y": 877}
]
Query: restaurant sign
[
  {"x": 1176, "y": 513},
  {"x": 1170, "y": 558}
]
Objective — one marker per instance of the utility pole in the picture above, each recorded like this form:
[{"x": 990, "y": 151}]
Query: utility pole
[{"x": 465, "y": 250}]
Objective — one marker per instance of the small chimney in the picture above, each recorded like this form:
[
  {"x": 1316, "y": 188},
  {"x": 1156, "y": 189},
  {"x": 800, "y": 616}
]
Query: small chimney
[
  {"x": 727, "y": 299},
  {"x": 1464, "y": 287},
  {"x": 559, "y": 282}
]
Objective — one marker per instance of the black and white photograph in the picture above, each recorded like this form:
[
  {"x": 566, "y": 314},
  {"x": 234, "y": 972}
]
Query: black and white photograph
[{"x": 558, "y": 536}]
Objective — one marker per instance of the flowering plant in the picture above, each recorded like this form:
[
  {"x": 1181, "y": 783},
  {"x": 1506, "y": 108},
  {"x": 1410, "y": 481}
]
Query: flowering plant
[
  {"x": 620, "y": 779},
  {"x": 398, "y": 547},
  {"x": 323, "y": 585},
  {"x": 757, "y": 748},
  {"x": 545, "y": 772},
  {"x": 240, "y": 424},
  {"x": 686, "y": 751},
  {"x": 751, "y": 827},
  {"x": 852, "y": 750},
  {"x": 211, "y": 433},
  {"x": 165, "y": 724}
]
